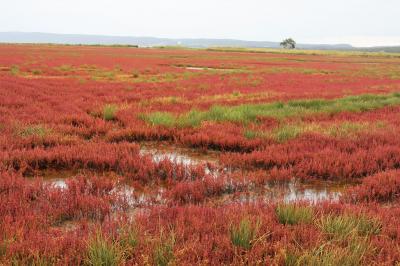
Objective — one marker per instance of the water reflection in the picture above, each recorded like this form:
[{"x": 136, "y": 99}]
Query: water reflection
[
  {"x": 288, "y": 192},
  {"x": 58, "y": 183},
  {"x": 177, "y": 154}
]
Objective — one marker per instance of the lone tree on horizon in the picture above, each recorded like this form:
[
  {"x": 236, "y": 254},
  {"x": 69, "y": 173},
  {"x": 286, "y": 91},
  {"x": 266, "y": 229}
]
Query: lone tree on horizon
[{"x": 288, "y": 43}]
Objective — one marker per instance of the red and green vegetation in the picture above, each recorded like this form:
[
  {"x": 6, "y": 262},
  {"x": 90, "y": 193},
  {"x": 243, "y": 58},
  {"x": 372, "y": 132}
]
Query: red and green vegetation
[{"x": 131, "y": 156}]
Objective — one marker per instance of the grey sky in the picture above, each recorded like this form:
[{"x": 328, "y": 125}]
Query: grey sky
[{"x": 358, "y": 22}]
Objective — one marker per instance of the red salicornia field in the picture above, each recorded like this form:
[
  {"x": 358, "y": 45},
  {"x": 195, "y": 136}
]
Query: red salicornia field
[{"x": 145, "y": 156}]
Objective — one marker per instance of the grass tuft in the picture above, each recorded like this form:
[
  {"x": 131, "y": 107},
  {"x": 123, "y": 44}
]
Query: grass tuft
[
  {"x": 109, "y": 112},
  {"x": 287, "y": 132},
  {"x": 351, "y": 254},
  {"x": 14, "y": 70},
  {"x": 129, "y": 239},
  {"x": 37, "y": 72},
  {"x": 243, "y": 235},
  {"x": 101, "y": 251},
  {"x": 160, "y": 119},
  {"x": 338, "y": 227},
  {"x": 251, "y": 134},
  {"x": 33, "y": 130},
  {"x": 293, "y": 214},
  {"x": 342, "y": 226},
  {"x": 368, "y": 226},
  {"x": 65, "y": 68},
  {"x": 164, "y": 251}
]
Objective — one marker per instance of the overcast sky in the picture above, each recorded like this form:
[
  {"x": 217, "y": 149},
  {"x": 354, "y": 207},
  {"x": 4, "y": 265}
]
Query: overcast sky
[{"x": 358, "y": 22}]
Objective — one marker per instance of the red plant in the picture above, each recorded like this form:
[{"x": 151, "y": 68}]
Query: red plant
[{"x": 382, "y": 187}]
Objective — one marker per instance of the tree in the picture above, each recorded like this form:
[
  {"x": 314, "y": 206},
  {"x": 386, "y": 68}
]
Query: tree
[{"x": 288, "y": 43}]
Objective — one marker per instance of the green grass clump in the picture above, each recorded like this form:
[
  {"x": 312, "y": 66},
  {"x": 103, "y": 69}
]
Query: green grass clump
[
  {"x": 251, "y": 134},
  {"x": 351, "y": 254},
  {"x": 160, "y": 119},
  {"x": 368, "y": 225},
  {"x": 164, "y": 251},
  {"x": 3, "y": 248},
  {"x": 37, "y": 72},
  {"x": 348, "y": 241},
  {"x": 247, "y": 113},
  {"x": 293, "y": 214},
  {"x": 190, "y": 119},
  {"x": 314, "y": 104},
  {"x": 109, "y": 112},
  {"x": 33, "y": 130},
  {"x": 102, "y": 252},
  {"x": 109, "y": 75},
  {"x": 342, "y": 226},
  {"x": 65, "y": 68},
  {"x": 338, "y": 226},
  {"x": 243, "y": 235},
  {"x": 287, "y": 132},
  {"x": 346, "y": 129},
  {"x": 236, "y": 93},
  {"x": 129, "y": 239},
  {"x": 14, "y": 70},
  {"x": 290, "y": 258}
]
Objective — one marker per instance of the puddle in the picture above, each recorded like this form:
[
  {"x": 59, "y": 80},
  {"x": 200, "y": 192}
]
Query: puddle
[
  {"x": 305, "y": 192},
  {"x": 177, "y": 154},
  {"x": 312, "y": 195},
  {"x": 139, "y": 199},
  {"x": 203, "y": 68},
  {"x": 56, "y": 178},
  {"x": 58, "y": 183},
  {"x": 288, "y": 192},
  {"x": 196, "y": 68},
  {"x": 184, "y": 156}
]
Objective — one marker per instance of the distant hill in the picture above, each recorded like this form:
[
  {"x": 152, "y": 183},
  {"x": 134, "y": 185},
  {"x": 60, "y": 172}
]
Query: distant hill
[
  {"x": 386, "y": 49},
  {"x": 38, "y": 37}
]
